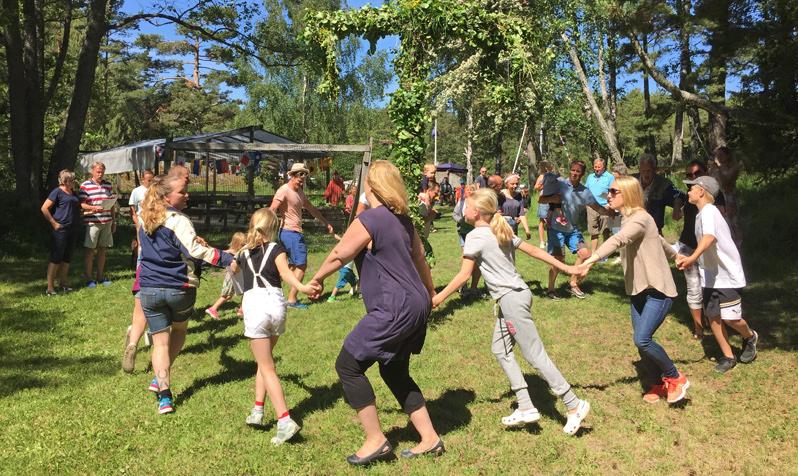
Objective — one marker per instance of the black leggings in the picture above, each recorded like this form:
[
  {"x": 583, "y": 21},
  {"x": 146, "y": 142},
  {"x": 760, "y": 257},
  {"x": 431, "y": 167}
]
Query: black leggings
[{"x": 396, "y": 374}]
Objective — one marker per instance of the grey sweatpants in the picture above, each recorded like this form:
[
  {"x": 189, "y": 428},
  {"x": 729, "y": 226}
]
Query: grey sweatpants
[{"x": 514, "y": 325}]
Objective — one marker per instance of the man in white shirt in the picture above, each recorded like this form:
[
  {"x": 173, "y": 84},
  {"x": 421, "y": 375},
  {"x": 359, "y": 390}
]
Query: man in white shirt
[{"x": 721, "y": 270}]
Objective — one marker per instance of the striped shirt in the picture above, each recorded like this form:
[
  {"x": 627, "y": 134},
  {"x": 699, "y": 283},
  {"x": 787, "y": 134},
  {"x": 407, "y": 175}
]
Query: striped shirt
[{"x": 93, "y": 194}]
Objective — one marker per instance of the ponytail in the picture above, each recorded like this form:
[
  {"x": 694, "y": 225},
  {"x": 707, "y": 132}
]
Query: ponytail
[{"x": 486, "y": 201}]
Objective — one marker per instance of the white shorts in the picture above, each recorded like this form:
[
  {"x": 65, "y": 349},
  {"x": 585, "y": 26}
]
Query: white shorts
[{"x": 264, "y": 312}]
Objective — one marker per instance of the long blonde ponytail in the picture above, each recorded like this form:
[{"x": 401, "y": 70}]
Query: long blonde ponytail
[{"x": 486, "y": 202}]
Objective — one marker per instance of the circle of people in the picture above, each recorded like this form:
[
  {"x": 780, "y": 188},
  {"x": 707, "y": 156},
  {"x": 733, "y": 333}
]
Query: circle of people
[{"x": 396, "y": 284}]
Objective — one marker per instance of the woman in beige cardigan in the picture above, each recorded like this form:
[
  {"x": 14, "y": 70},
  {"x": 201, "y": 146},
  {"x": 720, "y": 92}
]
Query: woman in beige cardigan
[{"x": 648, "y": 281}]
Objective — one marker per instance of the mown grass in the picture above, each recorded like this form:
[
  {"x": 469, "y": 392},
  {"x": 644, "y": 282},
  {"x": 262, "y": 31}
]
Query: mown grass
[{"x": 67, "y": 408}]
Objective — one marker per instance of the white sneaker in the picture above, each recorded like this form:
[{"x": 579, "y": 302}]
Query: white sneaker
[
  {"x": 521, "y": 417},
  {"x": 255, "y": 418},
  {"x": 543, "y": 245},
  {"x": 285, "y": 432},
  {"x": 575, "y": 418}
]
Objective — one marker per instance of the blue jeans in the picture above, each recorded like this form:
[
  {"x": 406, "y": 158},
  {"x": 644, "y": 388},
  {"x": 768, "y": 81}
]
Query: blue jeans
[{"x": 648, "y": 312}]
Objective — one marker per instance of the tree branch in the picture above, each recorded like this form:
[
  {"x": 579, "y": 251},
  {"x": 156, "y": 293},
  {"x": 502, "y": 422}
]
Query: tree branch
[{"x": 62, "y": 54}]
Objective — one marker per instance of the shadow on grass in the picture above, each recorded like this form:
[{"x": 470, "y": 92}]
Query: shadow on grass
[{"x": 449, "y": 412}]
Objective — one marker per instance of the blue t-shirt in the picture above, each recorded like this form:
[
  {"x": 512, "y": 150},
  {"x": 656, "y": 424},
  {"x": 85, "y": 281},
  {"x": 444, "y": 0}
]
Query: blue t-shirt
[
  {"x": 573, "y": 201},
  {"x": 67, "y": 207},
  {"x": 599, "y": 185}
]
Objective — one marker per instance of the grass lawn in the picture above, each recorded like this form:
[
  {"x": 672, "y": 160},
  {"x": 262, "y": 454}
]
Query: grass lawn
[{"x": 68, "y": 408}]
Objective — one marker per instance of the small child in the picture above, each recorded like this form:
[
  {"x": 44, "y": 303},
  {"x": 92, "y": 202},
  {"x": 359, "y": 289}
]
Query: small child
[
  {"x": 228, "y": 285},
  {"x": 721, "y": 271},
  {"x": 346, "y": 275},
  {"x": 263, "y": 262},
  {"x": 349, "y": 202},
  {"x": 491, "y": 246}
]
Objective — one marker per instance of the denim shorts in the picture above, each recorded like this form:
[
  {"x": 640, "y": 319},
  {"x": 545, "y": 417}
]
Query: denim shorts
[
  {"x": 346, "y": 276},
  {"x": 560, "y": 239},
  {"x": 543, "y": 210},
  {"x": 163, "y": 306},
  {"x": 295, "y": 247}
]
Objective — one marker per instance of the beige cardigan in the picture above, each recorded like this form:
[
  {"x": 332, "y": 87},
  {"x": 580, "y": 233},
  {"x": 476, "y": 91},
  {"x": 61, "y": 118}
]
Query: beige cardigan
[{"x": 643, "y": 253}]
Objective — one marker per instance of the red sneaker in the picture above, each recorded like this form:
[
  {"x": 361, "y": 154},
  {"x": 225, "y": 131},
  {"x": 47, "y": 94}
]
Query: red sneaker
[
  {"x": 677, "y": 387},
  {"x": 655, "y": 393}
]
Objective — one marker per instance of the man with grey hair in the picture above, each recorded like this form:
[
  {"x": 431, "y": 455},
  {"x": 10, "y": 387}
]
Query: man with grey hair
[
  {"x": 100, "y": 223},
  {"x": 658, "y": 192}
]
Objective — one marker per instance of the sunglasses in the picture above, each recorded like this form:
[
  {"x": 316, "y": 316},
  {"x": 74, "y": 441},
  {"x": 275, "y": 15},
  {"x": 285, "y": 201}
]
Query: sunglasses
[
  {"x": 301, "y": 174},
  {"x": 613, "y": 191}
]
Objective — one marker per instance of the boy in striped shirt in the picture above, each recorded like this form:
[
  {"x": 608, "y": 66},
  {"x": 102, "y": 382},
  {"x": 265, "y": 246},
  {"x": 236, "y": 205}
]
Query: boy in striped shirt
[{"x": 100, "y": 223}]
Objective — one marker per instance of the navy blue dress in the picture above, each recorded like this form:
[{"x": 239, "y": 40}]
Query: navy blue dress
[{"x": 397, "y": 303}]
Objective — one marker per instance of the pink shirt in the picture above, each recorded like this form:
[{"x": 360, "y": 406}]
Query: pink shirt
[{"x": 291, "y": 203}]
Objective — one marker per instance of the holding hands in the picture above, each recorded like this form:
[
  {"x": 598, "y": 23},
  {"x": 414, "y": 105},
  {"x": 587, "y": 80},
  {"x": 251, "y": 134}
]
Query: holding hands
[
  {"x": 684, "y": 262},
  {"x": 314, "y": 288}
]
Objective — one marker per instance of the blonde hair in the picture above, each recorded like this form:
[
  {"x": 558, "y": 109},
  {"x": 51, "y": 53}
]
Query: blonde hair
[
  {"x": 429, "y": 167},
  {"x": 95, "y": 165},
  {"x": 237, "y": 241},
  {"x": 153, "y": 207},
  {"x": 486, "y": 202},
  {"x": 263, "y": 228},
  {"x": 65, "y": 176},
  {"x": 632, "y": 194},
  {"x": 387, "y": 186}
]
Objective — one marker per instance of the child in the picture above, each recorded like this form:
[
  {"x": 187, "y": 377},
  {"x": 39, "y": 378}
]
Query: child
[
  {"x": 721, "y": 272},
  {"x": 349, "y": 202},
  {"x": 346, "y": 275},
  {"x": 491, "y": 246},
  {"x": 263, "y": 263},
  {"x": 426, "y": 202},
  {"x": 427, "y": 177},
  {"x": 228, "y": 285}
]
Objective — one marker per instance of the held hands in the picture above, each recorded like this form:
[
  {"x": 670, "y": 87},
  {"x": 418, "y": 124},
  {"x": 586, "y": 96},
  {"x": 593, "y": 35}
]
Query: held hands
[
  {"x": 330, "y": 229},
  {"x": 201, "y": 241},
  {"x": 436, "y": 300},
  {"x": 314, "y": 289},
  {"x": 684, "y": 262}
]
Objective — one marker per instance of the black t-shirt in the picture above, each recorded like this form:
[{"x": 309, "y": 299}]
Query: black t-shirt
[
  {"x": 689, "y": 212},
  {"x": 269, "y": 272}
]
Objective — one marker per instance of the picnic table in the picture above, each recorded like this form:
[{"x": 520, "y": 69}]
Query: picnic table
[{"x": 222, "y": 205}]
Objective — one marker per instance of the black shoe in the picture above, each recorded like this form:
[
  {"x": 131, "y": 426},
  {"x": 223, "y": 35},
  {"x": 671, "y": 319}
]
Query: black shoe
[
  {"x": 436, "y": 450},
  {"x": 749, "y": 349},
  {"x": 383, "y": 452},
  {"x": 725, "y": 364}
]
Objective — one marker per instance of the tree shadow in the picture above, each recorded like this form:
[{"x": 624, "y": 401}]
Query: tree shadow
[
  {"x": 232, "y": 371},
  {"x": 449, "y": 412}
]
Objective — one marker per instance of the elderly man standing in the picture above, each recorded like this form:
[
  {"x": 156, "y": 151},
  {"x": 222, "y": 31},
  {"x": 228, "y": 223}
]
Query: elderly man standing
[
  {"x": 288, "y": 201},
  {"x": 100, "y": 223},
  {"x": 658, "y": 192},
  {"x": 599, "y": 184},
  {"x": 482, "y": 178}
]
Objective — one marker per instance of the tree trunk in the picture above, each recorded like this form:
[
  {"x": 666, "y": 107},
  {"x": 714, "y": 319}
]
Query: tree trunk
[
  {"x": 469, "y": 150},
  {"x": 612, "y": 66},
  {"x": 685, "y": 68},
  {"x": 717, "y": 61},
  {"x": 651, "y": 145},
  {"x": 67, "y": 143},
  {"x": 533, "y": 151},
  {"x": 607, "y": 129},
  {"x": 497, "y": 152}
]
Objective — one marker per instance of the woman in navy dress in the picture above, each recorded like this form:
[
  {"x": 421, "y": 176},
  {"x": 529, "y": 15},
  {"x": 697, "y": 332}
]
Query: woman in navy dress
[{"x": 397, "y": 290}]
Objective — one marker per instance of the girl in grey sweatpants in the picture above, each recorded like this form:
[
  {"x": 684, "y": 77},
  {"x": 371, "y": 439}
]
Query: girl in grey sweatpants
[{"x": 491, "y": 246}]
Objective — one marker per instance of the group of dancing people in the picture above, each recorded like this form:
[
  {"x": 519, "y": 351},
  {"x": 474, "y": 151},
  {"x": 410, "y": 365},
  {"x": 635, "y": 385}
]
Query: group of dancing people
[{"x": 398, "y": 294}]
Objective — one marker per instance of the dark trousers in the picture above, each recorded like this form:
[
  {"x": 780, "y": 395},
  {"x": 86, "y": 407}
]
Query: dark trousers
[{"x": 396, "y": 374}]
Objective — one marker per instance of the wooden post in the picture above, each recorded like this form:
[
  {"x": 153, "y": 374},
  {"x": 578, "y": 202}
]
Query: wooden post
[
  {"x": 364, "y": 168},
  {"x": 207, "y": 201},
  {"x": 251, "y": 176}
]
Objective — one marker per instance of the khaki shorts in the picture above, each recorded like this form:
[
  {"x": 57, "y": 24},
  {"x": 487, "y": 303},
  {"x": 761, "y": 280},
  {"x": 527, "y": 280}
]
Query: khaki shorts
[
  {"x": 98, "y": 236},
  {"x": 596, "y": 222}
]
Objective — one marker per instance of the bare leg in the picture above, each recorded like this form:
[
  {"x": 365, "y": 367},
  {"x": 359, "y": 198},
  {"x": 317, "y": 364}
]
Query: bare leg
[
  {"x": 138, "y": 323},
  {"x": 269, "y": 382},
  {"x": 542, "y": 230},
  {"x": 89, "y": 262},
  {"x": 299, "y": 272},
  {"x": 100, "y": 263},
  {"x": 63, "y": 275},
  {"x": 429, "y": 437},
  {"x": 371, "y": 425},
  {"x": 741, "y": 327},
  {"x": 720, "y": 335},
  {"x": 51, "y": 272},
  {"x": 581, "y": 256},
  {"x": 177, "y": 339},
  {"x": 160, "y": 358},
  {"x": 593, "y": 243},
  {"x": 553, "y": 272},
  {"x": 698, "y": 327},
  {"x": 219, "y": 302}
]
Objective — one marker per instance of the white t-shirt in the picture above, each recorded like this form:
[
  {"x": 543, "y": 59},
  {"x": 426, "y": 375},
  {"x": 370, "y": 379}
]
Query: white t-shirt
[
  {"x": 496, "y": 263},
  {"x": 720, "y": 265},
  {"x": 364, "y": 200},
  {"x": 136, "y": 197}
]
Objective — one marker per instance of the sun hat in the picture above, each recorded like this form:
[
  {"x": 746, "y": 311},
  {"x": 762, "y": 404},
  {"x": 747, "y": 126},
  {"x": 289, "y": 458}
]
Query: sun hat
[{"x": 298, "y": 167}]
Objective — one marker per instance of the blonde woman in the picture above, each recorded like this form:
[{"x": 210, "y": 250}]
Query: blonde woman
[
  {"x": 61, "y": 209},
  {"x": 490, "y": 247},
  {"x": 649, "y": 282},
  {"x": 264, "y": 262},
  {"x": 396, "y": 286},
  {"x": 168, "y": 275}
]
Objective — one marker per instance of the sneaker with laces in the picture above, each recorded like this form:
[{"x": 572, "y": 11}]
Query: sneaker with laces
[
  {"x": 50, "y": 293},
  {"x": 105, "y": 282},
  {"x": 655, "y": 393},
  {"x": 725, "y": 364},
  {"x": 154, "y": 385},
  {"x": 521, "y": 417},
  {"x": 165, "y": 405},
  {"x": 129, "y": 358},
  {"x": 575, "y": 418},
  {"x": 749, "y": 349},
  {"x": 91, "y": 284},
  {"x": 576, "y": 292},
  {"x": 212, "y": 312},
  {"x": 676, "y": 387},
  {"x": 285, "y": 432},
  {"x": 255, "y": 418},
  {"x": 296, "y": 305}
]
